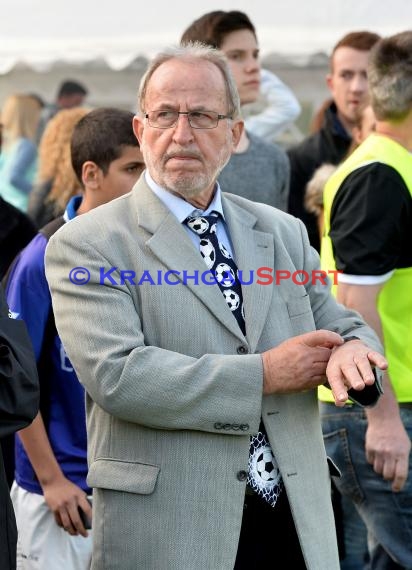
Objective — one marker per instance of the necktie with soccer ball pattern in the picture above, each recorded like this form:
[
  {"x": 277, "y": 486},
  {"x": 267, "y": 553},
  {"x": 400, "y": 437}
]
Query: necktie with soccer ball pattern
[
  {"x": 263, "y": 473},
  {"x": 220, "y": 263}
]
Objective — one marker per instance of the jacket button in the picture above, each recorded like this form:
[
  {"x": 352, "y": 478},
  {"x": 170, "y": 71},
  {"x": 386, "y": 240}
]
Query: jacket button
[
  {"x": 241, "y": 475},
  {"x": 242, "y": 350}
]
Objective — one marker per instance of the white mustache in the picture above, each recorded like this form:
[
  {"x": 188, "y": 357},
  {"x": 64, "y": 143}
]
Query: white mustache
[{"x": 182, "y": 154}]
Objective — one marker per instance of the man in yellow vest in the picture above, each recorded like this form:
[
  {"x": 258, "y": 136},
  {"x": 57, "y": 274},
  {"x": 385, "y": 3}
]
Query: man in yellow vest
[{"x": 368, "y": 238}]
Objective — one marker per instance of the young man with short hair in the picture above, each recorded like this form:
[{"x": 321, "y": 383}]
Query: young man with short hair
[
  {"x": 348, "y": 84},
  {"x": 50, "y": 488}
]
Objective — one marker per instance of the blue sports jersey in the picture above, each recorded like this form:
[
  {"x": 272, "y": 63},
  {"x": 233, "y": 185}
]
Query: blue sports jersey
[{"x": 29, "y": 299}]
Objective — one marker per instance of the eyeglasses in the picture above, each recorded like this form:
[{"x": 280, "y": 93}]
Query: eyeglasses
[{"x": 166, "y": 119}]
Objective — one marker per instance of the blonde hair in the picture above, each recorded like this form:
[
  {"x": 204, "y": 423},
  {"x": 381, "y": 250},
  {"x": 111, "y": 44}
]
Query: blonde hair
[
  {"x": 313, "y": 199},
  {"x": 55, "y": 157},
  {"x": 20, "y": 117}
]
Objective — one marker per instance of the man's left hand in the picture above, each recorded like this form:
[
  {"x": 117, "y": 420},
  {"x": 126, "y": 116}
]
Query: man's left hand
[{"x": 350, "y": 366}]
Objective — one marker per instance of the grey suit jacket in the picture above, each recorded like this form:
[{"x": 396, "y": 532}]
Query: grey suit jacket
[{"x": 174, "y": 390}]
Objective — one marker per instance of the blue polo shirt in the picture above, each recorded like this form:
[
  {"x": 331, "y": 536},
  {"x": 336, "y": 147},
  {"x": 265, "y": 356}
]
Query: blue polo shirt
[{"x": 29, "y": 299}]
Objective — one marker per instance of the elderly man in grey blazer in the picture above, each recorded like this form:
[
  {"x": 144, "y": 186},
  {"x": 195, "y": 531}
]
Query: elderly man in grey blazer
[{"x": 185, "y": 357}]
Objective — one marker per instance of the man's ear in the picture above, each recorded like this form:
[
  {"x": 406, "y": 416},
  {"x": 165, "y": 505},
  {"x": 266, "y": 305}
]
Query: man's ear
[
  {"x": 91, "y": 175},
  {"x": 329, "y": 81},
  {"x": 138, "y": 128},
  {"x": 237, "y": 130}
]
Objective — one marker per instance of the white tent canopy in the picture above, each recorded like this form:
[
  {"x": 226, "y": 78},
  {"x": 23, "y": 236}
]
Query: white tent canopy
[{"x": 42, "y": 32}]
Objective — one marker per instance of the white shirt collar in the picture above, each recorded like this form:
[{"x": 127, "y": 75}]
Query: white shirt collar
[{"x": 178, "y": 206}]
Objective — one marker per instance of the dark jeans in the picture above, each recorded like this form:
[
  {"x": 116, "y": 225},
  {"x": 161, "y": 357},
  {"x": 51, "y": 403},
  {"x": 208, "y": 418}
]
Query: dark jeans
[
  {"x": 268, "y": 537},
  {"x": 387, "y": 515}
]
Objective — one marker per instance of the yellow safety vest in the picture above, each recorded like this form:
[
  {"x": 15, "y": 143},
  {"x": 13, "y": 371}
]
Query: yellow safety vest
[{"x": 395, "y": 298}]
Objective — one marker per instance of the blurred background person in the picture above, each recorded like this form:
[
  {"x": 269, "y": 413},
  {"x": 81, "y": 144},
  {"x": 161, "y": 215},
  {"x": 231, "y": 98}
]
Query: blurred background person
[
  {"x": 313, "y": 200},
  {"x": 19, "y": 403},
  {"x": 51, "y": 466},
  {"x": 367, "y": 237},
  {"x": 69, "y": 94},
  {"x": 16, "y": 230},
  {"x": 276, "y": 105},
  {"x": 275, "y": 110},
  {"x": 56, "y": 181},
  {"x": 48, "y": 199},
  {"x": 351, "y": 529},
  {"x": 258, "y": 170},
  {"x": 348, "y": 84},
  {"x": 18, "y": 160}
]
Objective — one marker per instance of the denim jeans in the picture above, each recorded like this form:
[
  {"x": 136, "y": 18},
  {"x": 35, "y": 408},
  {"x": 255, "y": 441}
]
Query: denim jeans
[{"x": 387, "y": 515}]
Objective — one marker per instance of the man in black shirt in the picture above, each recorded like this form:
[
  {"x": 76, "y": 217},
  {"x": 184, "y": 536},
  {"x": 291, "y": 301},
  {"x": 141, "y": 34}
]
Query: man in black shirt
[
  {"x": 16, "y": 230},
  {"x": 347, "y": 82}
]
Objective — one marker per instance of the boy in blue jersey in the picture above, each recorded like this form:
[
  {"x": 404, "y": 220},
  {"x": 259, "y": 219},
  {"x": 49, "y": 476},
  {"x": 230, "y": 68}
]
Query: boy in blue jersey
[{"x": 50, "y": 493}]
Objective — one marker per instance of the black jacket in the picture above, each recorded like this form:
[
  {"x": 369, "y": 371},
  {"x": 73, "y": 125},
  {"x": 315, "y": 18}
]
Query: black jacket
[
  {"x": 16, "y": 230},
  {"x": 330, "y": 144},
  {"x": 19, "y": 403}
]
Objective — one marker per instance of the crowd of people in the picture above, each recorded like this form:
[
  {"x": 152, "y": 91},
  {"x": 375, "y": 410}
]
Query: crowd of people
[{"x": 183, "y": 386}]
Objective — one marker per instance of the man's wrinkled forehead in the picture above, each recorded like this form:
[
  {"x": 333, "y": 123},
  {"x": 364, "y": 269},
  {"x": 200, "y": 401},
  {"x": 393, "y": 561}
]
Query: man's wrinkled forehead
[{"x": 185, "y": 79}]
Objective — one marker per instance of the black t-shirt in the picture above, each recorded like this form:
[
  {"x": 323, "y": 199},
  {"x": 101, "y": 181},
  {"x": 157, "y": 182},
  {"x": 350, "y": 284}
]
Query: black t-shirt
[{"x": 371, "y": 222}]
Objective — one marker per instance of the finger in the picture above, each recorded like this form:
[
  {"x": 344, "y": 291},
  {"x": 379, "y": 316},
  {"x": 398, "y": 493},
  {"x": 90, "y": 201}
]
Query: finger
[
  {"x": 321, "y": 354},
  {"x": 85, "y": 505},
  {"x": 401, "y": 476},
  {"x": 58, "y": 519},
  {"x": 370, "y": 457},
  {"x": 352, "y": 377},
  {"x": 67, "y": 525},
  {"x": 321, "y": 338},
  {"x": 319, "y": 379},
  {"x": 378, "y": 464},
  {"x": 396, "y": 469},
  {"x": 389, "y": 469},
  {"x": 338, "y": 387},
  {"x": 76, "y": 521},
  {"x": 364, "y": 369},
  {"x": 377, "y": 359},
  {"x": 328, "y": 345},
  {"x": 319, "y": 367}
]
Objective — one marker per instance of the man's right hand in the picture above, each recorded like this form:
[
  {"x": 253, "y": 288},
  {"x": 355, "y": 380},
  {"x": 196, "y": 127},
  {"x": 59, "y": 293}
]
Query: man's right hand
[
  {"x": 64, "y": 499},
  {"x": 299, "y": 363}
]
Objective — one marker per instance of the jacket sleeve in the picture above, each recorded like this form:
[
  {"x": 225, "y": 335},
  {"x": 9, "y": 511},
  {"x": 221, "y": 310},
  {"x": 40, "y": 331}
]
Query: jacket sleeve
[{"x": 19, "y": 385}]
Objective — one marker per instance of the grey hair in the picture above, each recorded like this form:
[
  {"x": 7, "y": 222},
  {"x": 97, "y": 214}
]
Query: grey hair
[
  {"x": 192, "y": 52},
  {"x": 390, "y": 77}
]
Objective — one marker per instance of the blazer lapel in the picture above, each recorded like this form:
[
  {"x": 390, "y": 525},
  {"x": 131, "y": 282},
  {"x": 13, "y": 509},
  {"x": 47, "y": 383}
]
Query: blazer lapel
[
  {"x": 253, "y": 249},
  {"x": 170, "y": 243}
]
